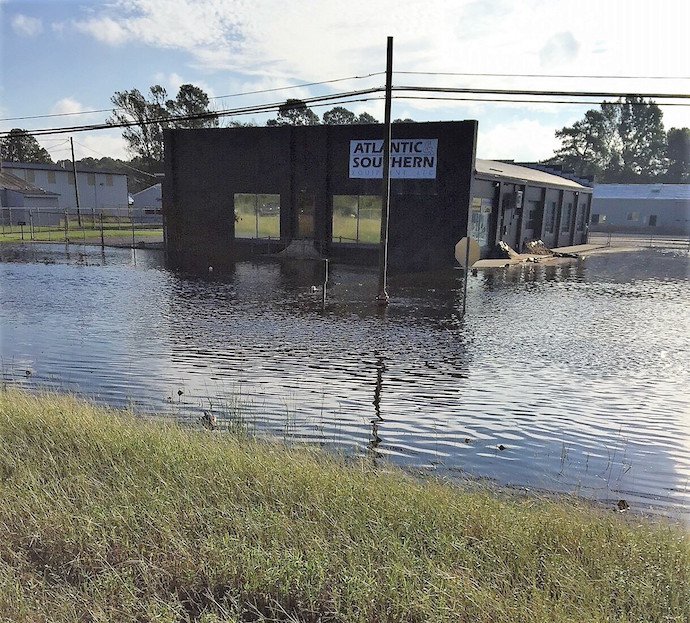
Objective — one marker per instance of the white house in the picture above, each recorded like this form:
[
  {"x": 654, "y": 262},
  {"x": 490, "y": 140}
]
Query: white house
[
  {"x": 641, "y": 208},
  {"x": 98, "y": 190}
]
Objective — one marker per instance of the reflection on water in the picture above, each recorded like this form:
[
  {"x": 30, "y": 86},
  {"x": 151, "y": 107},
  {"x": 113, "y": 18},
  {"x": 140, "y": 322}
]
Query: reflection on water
[{"x": 578, "y": 371}]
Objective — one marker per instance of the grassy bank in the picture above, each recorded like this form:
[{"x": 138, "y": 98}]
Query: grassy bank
[{"x": 107, "y": 518}]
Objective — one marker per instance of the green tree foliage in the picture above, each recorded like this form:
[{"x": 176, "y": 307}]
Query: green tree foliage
[
  {"x": 150, "y": 116},
  {"x": 406, "y": 120},
  {"x": 678, "y": 154},
  {"x": 339, "y": 116},
  {"x": 623, "y": 141},
  {"x": 294, "y": 112},
  {"x": 365, "y": 117},
  {"x": 20, "y": 146},
  {"x": 342, "y": 116}
]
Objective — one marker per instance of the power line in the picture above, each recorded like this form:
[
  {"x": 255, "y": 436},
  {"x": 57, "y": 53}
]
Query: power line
[
  {"x": 521, "y": 101},
  {"x": 216, "y": 97},
  {"x": 121, "y": 162},
  {"x": 491, "y": 75},
  {"x": 544, "y": 93},
  {"x": 350, "y": 96},
  {"x": 272, "y": 107},
  {"x": 297, "y": 86}
]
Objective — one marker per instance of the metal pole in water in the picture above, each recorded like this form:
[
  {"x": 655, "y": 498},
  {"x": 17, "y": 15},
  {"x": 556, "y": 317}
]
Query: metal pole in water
[
  {"x": 467, "y": 272},
  {"x": 325, "y": 281}
]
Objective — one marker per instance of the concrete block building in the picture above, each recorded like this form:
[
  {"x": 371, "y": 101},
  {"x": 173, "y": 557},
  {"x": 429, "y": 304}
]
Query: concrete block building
[{"x": 233, "y": 192}]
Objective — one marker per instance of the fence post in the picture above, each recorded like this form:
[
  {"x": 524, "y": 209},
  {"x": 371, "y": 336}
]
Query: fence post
[
  {"x": 66, "y": 226},
  {"x": 31, "y": 224},
  {"x": 132, "y": 217},
  {"x": 102, "y": 241}
]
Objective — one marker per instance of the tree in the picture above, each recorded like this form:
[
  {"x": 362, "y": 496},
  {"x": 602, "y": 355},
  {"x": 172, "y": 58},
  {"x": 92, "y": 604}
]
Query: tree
[
  {"x": 339, "y": 116},
  {"x": 342, "y": 116},
  {"x": 149, "y": 117},
  {"x": 294, "y": 112},
  {"x": 406, "y": 120},
  {"x": 192, "y": 101},
  {"x": 623, "y": 141},
  {"x": 678, "y": 154},
  {"x": 365, "y": 117},
  {"x": 20, "y": 146},
  {"x": 642, "y": 139},
  {"x": 586, "y": 145}
]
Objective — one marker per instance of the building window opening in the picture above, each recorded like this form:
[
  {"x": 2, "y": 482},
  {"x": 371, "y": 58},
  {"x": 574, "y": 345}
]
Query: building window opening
[
  {"x": 51, "y": 177},
  {"x": 479, "y": 220},
  {"x": 565, "y": 221},
  {"x": 652, "y": 220},
  {"x": 633, "y": 216},
  {"x": 257, "y": 216},
  {"x": 108, "y": 179},
  {"x": 30, "y": 176},
  {"x": 533, "y": 213},
  {"x": 550, "y": 218},
  {"x": 581, "y": 217},
  {"x": 91, "y": 179},
  {"x": 357, "y": 219}
]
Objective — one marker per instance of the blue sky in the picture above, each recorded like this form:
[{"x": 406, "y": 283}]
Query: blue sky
[{"x": 70, "y": 56}]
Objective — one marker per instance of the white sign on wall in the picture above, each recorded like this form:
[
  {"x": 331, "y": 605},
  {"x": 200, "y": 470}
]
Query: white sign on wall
[{"x": 411, "y": 158}]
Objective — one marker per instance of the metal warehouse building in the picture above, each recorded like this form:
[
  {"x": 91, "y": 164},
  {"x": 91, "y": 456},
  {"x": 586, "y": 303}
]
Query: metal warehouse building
[
  {"x": 233, "y": 192},
  {"x": 642, "y": 208}
]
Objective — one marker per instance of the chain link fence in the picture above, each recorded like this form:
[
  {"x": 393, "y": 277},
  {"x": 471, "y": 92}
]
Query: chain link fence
[{"x": 107, "y": 226}]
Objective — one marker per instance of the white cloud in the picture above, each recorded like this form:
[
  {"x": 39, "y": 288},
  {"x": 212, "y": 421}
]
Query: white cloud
[
  {"x": 99, "y": 144},
  {"x": 105, "y": 29},
  {"x": 66, "y": 105},
  {"x": 524, "y": 139},
  {"x": 561, "y": 48},
  {"x": 311, "y": 41},
  {"x": 27, "y": 26}
]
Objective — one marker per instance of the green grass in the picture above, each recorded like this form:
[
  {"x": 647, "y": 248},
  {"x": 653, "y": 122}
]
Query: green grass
[
  {"x": 345, "y": 227},
  {"x": 245, "y": 226},
  {"x": 104, "y": 517},
  {"x": 45, "y": 234}
]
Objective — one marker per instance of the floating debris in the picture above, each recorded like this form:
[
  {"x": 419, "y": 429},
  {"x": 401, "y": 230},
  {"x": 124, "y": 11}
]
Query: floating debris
[{"x": 208, "y": 421}]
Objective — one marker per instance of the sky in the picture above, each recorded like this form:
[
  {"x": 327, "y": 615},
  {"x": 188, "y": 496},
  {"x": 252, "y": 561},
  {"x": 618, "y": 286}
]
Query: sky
[{"x": 71, "y": 56}]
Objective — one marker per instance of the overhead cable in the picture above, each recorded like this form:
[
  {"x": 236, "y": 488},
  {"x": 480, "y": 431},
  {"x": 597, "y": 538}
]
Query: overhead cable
[
  {"x": 492, "y": 75},
  {"x": 215, "y": 97}
]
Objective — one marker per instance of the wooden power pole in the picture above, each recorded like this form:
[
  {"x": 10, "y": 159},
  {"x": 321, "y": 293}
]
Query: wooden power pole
[
  {"x": 382, "y": 296},
  {"x": 76, "y": 182}
]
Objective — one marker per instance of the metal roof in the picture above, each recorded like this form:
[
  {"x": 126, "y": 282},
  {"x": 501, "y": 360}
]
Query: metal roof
[
  {"x": 57, "y": 167},
  {"x": 673, "y": 192},
  {"x": 147, "y": 190},
  {"x": 8, "y": 181},
  {"x": 500, "y": 170}
]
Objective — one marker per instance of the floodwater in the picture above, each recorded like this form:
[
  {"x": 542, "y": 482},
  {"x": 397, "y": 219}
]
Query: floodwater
[{"x": 570, "y": 378}]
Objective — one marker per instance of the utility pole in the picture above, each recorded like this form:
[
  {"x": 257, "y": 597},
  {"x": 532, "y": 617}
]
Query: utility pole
[
  {"x": 382, "y": 296},
  {"x": 76, "y": 184}
]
